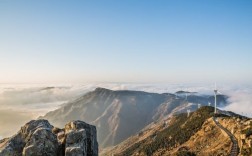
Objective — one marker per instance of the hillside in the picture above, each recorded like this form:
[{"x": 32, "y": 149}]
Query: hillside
[
  {"x": 121, "y": 114},
  {"x": 241, "y": 127},
  {"x": 196, "y": 134},
  {"x": 178, "y": 132}
]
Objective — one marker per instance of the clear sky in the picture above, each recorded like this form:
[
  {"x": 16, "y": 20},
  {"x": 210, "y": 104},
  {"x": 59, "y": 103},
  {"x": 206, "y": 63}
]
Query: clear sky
[{"x": 125, "y": 41}]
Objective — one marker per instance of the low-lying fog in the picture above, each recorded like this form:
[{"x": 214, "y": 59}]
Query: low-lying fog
[{"x": 21, "y": 103}]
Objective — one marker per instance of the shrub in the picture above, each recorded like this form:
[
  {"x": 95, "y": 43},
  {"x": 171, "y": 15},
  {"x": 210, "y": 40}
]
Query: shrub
[
  {"x": 185, "y": 153},
  {"x": 247, "y": 131}
]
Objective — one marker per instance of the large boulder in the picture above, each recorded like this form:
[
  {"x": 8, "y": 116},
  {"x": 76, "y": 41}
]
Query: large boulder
[
  {"x": 40, "y": 138},
  {"x": 42, "y": 142},
  {"x": 14, "y": 146},
  {"x": 80, "y": 139}
]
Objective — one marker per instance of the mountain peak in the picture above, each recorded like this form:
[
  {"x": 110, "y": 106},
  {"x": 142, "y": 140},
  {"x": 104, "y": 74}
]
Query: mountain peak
[
  {"x": 100, "y": 89},
  {"x": 184, "y": 92}
]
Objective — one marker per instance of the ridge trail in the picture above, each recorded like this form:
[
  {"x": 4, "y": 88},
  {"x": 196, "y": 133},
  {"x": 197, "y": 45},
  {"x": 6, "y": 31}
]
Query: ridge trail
[{"x": 235, "y": 148}]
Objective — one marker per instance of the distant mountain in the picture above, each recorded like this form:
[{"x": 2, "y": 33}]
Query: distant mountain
[
  {"x": 121, "y": 114},
  {"x": 196, "y": 134},
  {"x": 184, "y": 92}
]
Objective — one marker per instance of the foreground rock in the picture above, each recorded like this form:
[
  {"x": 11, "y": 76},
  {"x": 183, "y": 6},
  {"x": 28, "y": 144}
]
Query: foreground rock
[{"x": 40, "y": 138}]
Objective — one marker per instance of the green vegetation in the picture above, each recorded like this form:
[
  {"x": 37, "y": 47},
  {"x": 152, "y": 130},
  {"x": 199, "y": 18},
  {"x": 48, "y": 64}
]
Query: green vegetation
[
  {"x": 177, "y": 133},
  {"x": 247, "y": 131},
  {"x": 246, "y": 151},
  {"x": 185, "y": 153}
]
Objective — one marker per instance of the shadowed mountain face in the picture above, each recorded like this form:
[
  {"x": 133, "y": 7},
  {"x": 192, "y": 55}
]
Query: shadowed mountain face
[{"x": 121, "y": 114}]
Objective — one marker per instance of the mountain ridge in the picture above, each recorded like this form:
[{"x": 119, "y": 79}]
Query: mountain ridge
[
  {"x": 120, "y": 114},
  {"x": 196, "y": 134}
]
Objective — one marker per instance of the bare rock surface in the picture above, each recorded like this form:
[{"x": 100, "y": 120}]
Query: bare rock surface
[{"x": 40, "y": 138}]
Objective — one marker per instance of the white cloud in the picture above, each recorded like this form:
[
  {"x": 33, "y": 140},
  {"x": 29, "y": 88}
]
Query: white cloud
[
  {"x": 241, "y": 102},
  {"x": 21, "y": 103}
]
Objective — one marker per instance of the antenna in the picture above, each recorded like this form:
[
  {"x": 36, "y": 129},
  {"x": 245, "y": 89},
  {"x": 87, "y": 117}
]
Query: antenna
[
  {"x": 216, "y": 92},
  {"x": 176, "y": 95},
  {"x": 188, "y": 112},
  {"x": 199, "y": 105},
  {"x": 186, "y": 93}
]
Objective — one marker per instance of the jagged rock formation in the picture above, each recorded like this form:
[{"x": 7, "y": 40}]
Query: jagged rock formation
[
  {"x": 40, "y": 138},
  {"x": 121, "y": 114}
]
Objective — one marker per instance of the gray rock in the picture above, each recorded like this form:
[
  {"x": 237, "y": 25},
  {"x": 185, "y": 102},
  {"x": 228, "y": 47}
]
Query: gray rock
[
  {"x": 74, "y": 151},
  {"x": 42, "y": 142},
  {"x": 12, "y": 146},
  {"x": 83, "y": 136},
  {"x": 40, "y": 138}
]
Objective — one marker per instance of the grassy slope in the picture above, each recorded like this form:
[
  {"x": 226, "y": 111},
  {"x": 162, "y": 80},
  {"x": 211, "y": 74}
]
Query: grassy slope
[{"x": 180, "y": 130}]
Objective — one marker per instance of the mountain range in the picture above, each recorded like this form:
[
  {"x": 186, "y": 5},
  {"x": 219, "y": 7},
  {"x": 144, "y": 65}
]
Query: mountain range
[{"x": 118, "y": 115}]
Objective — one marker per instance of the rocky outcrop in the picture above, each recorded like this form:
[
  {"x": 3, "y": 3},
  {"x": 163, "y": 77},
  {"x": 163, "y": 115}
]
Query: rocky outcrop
[
  {"x": 80, "y": 138},
  {"x": 40, "y": 138}
]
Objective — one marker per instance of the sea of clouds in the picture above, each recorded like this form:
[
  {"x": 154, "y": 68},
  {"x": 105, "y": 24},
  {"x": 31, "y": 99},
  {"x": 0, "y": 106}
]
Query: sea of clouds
[{"x": 19, "y": 103}]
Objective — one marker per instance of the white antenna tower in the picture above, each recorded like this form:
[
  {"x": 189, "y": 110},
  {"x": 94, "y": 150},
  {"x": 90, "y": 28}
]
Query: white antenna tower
[
  {"x": 176, "y": 96},
  {"x": 216, "y": 92},
  {"x": 199, "y": 105},
  {"x": 188, "y": 112},
  {"x": 186, "y": 93}
]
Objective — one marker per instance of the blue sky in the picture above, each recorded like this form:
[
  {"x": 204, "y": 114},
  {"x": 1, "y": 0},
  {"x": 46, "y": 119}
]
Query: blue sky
[{"x": 125, "y": 41}]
